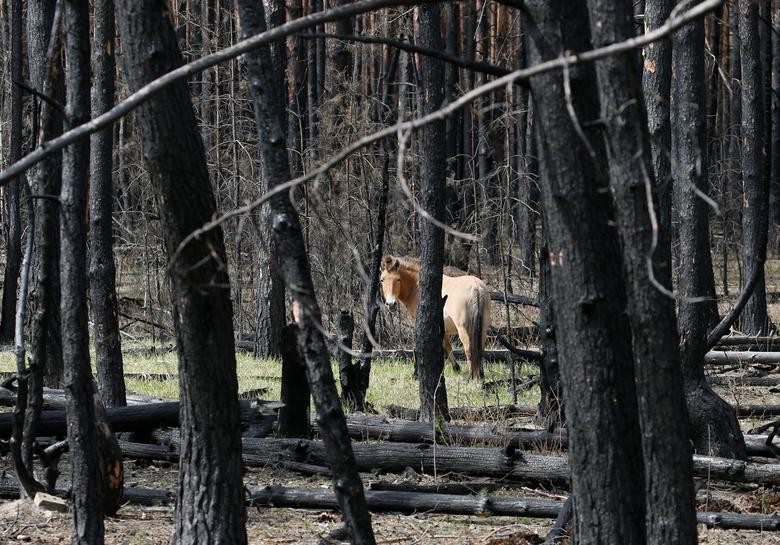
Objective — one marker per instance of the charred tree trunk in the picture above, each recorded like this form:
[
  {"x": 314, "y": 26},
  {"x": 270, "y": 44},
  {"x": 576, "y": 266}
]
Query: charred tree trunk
[
  {"x": 584, "y": 254},
  {"x": 86, "y": 475},
  {"x": 656, "y": 84},
  {"x": 294, "y": 416},
  {"x": 755, "y": 204},
  {"x": 428, "y": 351},
  {"x": 13, "y": 239},
  {"x": 669, "y": 496},
  {"x": 347, "y": 378},
  {"x": 45, "y": 75},
  {"x": 714, "y": 427},
  {"x": 288, "y": 236},
  {"x": 210, "y": 498},
  {"x": 297, "y": 126},
  {"x": 102, "y": 270},
  {"x": 774, "y": 151},
  {"x": 550, "y": 414}
]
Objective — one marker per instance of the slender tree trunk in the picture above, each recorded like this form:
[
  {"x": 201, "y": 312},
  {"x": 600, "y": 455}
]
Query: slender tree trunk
[
  {"x": 755, "y": 204},
  {"x": 584, "y": 255},
  {"x": 270, "y": 286},
  {"x": 44, "y": 60},
  {"x": 102, "y": 270},
  {"x": 288, "y": 236},
  {"x": 86, "y": 476},
  {"x": 670, "y": 507},
  {"x": 13, "y": 241},
  {"x": 297, "y": 119},
  {"x": 774, "y": 189},
  {"x": 428, "y": 351},
  {"x": 45, "y": 334},
  {"x": 210, "y": 497},
  {"x": 714, "y": 426}
]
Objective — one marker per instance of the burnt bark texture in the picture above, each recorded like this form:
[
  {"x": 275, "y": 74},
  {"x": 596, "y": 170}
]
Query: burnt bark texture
[
  {"x": 714, "y": 427},
  {"x": 285, "y": 225},
  {"x": 210, "y": 497},
  {"x": 755, "y": 203},
  {"x": 102, "y": 270},
  {"x": 593, "y": 346},
  {"x": 656, "y": 85},
  {"x": 347, "y": 377},
  {"x": 270, "y": 286},
  {"x": 44, "y": 64},
  {"x": 294, "y": 416},
  {"x": 550, "y": 414},
  {"x": 13, "y": 219},
  {"x": 428, "y": 351},
  {"x": 774, "y": 151},
  {"x": 669, "y": 495},
  {"x": 86, "y": 477}
]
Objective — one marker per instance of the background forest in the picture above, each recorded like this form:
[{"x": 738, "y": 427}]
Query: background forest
[{"x": 610, "y": 169}]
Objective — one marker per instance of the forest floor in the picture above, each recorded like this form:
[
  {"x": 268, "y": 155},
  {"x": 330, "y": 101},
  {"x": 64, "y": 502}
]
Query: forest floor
[{"x": 392, "y": 383}]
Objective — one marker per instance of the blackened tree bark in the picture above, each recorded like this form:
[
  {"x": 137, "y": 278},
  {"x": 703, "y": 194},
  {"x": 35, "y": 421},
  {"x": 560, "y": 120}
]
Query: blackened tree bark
[
  {"x": 13, "y": 241},
  {"x": 340, "y": 55},
  {"x": 714, "y": 426},
  {"x": 670, "y": 508},
  {"x": 297, "y": 128},
  {"x": 428, "y": 351},
  {"x": 594, "y": 347},
  {"x": 755, "y": 204},
  {"x": 102, "y": 270},
  {"x": 210, "y": 497},
  {"x": 550, "y": 413},
  {"x": 527, "y": 215},
  {"x": 732, "y": 185},
  {"x": 774, "y": 188},
  {"x": 86, "y": 476},
  {"x": 46, "y": 76},
  {"x": 270, "y": 286},
  {"x": 288, "y": 237},
  {"x": 295, "y": 394},
  {"x": 656, "y": 84},
  {"x": 347, "y": 378},
  {"x": 44, "y": 61}
]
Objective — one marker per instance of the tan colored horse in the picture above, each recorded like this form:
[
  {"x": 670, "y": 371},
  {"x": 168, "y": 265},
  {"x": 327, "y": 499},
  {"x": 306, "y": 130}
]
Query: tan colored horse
[{"x": 466, "y": 310}]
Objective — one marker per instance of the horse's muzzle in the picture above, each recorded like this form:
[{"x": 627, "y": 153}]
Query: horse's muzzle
[{"x": 390, "y": 305}]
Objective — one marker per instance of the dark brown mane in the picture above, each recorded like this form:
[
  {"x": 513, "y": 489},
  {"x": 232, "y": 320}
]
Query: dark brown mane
[{"x": 409, "y": 263}]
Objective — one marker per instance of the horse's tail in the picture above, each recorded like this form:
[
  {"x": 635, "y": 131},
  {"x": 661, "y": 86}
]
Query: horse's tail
[{"x": 477, "y": 321}]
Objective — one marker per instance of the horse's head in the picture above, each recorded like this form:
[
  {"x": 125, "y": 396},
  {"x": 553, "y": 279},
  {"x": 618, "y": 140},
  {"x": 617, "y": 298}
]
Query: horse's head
[{"x": 391, "y": 281}]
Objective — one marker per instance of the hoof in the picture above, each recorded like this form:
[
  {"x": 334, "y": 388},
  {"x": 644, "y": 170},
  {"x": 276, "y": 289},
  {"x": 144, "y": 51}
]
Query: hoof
[{"x": 456, "y": 366}]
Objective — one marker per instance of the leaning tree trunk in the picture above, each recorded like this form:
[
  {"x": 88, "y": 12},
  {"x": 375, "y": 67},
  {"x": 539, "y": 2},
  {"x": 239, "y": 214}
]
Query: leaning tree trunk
[
  {"x": 714, "y": 426},
  {"x": 102, "y": 270},
  {"x": 428, "y": 351},
  {"x": 210, "y": 497},
  {"x": 587, "y": 285},
  {"x": 288, "y": 237},
  {"x": 86, "y": 480},
  {"x": 13, "y": 241},
  {"x": 755, "y": 204},
  {"x": 670, "y": 507}
]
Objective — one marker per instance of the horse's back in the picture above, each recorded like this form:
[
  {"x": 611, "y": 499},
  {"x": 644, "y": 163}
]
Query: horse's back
[{"x": 463, "y": 293}]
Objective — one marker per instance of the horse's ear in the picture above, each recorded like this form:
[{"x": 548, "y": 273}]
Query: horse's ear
[{"x": 391, "y": 263}]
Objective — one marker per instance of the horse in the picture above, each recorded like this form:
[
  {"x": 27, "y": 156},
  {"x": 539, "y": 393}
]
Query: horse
[{"x": 467, "y": 306}]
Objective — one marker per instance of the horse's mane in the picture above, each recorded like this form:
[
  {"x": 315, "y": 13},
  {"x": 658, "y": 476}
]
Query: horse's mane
[{"x": 409, "y": 263}]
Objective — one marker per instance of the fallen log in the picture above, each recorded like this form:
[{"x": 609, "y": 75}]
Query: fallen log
[
  {"x": 499, "y": 412},
  {"x": 55, "y": 399},
  {"x": 505, "y": 463},
  {"x": 136, "y": 418},
  {"x": 407, "y": 431},
  {"x": 495, "y": 355},
  {"x": 413, "y": 502},
  {"x": 744, "y": 340},
  {"x": 743, "y": 357},
  {"x": 9, "y": 490}
]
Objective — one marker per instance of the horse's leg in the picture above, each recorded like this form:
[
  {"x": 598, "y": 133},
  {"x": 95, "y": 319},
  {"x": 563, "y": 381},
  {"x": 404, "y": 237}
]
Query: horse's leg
[
  {"x": 447, "y": 346},
  {"x": 463, "y": 333}
]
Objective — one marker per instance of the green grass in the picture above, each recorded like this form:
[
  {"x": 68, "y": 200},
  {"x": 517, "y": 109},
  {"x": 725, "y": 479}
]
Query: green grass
[{"x": 392, "y": 382}]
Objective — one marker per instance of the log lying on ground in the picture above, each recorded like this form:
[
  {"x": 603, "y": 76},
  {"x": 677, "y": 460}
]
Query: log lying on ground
[
  {"x": 141, "y": 417},
  {"x": 491, "y": 413},
  {"x": 507, "y": 463},
  {"x": 495, "y": 355},
  {"x": 414, "y": 502},
  {"x": 55, "y": 399},
  {"x": 742, "y": 340},
  {"x": 408, "y": 431},
  {"x": 9, "y": 490},
  {"x": 743, "y": 357},
  {"x": 513, "y": 299}
]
